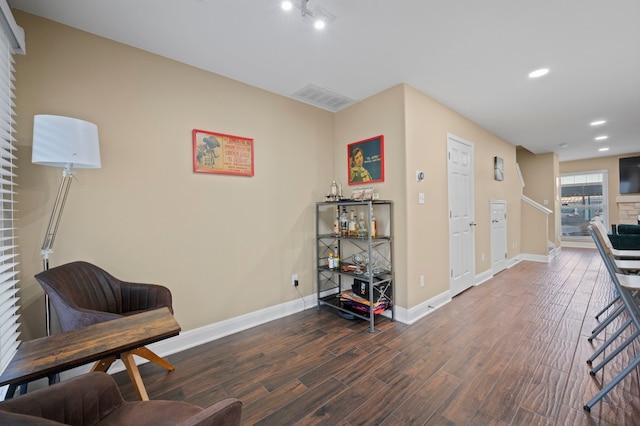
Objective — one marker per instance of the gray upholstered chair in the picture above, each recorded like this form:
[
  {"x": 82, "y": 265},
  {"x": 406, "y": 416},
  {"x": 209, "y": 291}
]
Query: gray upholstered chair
[
  {"x": 83, "y": 294},
  {"x": 94, "y": 399}
]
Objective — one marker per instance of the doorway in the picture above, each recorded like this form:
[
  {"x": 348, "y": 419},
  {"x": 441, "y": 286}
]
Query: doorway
[{"x": 461, "y": 214}]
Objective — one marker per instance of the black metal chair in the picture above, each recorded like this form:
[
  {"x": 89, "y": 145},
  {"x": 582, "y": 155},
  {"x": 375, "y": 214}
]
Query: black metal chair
[{"x": 626, "y": 287}]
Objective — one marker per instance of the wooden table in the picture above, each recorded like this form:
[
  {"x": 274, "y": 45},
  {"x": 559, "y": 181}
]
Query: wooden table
[{"x": 106, "y": 341}]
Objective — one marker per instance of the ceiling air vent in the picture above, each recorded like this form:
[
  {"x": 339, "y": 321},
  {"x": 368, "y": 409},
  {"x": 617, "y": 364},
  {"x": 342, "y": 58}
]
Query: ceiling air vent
[{"x": 322, "y": 97}]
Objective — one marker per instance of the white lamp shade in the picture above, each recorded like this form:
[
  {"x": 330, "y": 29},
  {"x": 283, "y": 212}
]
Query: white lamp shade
[{"x": 65, "y": 142}]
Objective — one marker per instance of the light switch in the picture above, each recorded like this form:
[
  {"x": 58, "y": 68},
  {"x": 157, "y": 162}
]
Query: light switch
[{"x": 421, "y": 198}]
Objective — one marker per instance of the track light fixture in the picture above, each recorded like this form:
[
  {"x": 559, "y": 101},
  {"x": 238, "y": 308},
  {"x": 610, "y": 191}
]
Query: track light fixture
[{"x": 319, "y": 15}]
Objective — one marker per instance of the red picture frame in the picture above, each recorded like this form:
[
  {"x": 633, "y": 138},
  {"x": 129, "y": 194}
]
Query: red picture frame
[
  {"x": 365, "y": 161},
  {"x": 222, "y": 154}
]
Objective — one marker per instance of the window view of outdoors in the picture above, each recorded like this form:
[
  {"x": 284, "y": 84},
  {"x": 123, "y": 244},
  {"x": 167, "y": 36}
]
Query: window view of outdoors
[{"x": 583, "y": 197}]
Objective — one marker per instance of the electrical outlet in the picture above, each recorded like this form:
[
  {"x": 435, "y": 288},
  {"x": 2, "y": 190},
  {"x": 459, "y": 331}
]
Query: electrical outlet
[
  {"x": 294, "y": 280},
  {"x": 421, "y": 280}
]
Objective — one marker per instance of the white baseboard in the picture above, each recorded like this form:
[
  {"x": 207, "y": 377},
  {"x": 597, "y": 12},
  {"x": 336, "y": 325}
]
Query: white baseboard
[
  {"x": 578, "y": 244},
  {"x": 409, "y": 316},
  {"x": 536, "y": 257},
  {"x": 483, "y": 277}
]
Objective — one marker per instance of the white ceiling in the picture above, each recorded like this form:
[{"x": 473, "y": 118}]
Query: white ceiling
[{"x": 473, "y": 56}]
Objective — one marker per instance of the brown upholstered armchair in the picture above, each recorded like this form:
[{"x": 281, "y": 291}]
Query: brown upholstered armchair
[
  {"x": 83, "y": 294},
  {"x": 94, "y": 399}
]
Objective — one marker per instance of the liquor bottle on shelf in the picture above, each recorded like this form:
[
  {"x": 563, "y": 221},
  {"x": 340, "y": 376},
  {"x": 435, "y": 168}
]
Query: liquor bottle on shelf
[
  {"x": 334, "y": 191},
  {"x": 336, "y": 257},
  {"x": 344, "y": 223},
  {"x": 373, "y": 224},
  {"x": 362, "y": 226},
  {"x": 353, "y": 224},
  {"x": 331, "y": 260},
  {"x": 336, "y": 223}
]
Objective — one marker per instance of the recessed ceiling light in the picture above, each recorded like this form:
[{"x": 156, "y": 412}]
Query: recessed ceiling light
[
  {"x": 604, "y": 148},
  {"x": 319, "y": 24},
  {"x": 597, "y": 123},
  {"x": 286, "y": 5},
  {"x": 564, "y": 145},
  {"x": 601, "y": 138},
  {"x": 539, "y": 73}
]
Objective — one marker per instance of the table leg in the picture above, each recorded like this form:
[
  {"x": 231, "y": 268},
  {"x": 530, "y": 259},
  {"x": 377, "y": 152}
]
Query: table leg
[
  {"x": 104, "y": 364},
  {"x": 11, "y": 390},
  {"x": 53, "y": 378},
  {"x": 134, "y": 375},
  {"x": 146, "y": 353}
]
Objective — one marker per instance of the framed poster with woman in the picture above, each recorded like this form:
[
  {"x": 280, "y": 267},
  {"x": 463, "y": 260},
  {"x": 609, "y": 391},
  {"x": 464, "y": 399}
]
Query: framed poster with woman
[{"x": 365, "y": 161}]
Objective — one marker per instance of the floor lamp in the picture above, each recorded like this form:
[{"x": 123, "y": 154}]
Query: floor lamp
[{"x": 67, "y": 143}]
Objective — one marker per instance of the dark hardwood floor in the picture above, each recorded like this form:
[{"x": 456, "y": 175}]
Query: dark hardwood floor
[{"x": 511, "y": 351}]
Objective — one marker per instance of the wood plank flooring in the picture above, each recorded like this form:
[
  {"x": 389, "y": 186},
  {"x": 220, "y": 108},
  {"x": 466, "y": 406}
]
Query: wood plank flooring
[{"x": 511, "y": 351}]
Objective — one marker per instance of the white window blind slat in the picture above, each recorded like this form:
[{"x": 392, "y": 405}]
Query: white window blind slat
[
  {"x": 5, "y": 163},
  {"x": 4, "y": 259},
  {"x": 7, "y": 286},
  {"x": 11, "y": 335},
  {"x": 7, "y": 329},
  {"x": 6, "y": 303},
  {"x": 6, "y": 277},
  {"x": 5, "y": 248},
  {"x": 4, "y": 172},
  {"x": 9, "y": 349},
  {"x": 7, "y": 266}
]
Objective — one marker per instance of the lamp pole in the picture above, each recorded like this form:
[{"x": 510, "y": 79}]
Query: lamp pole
[{"x": 52, "y": 230}]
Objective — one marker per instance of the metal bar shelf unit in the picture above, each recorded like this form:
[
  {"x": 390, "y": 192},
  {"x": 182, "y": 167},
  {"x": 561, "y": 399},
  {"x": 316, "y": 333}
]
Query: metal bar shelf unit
[{"x": 361, "y": 283}]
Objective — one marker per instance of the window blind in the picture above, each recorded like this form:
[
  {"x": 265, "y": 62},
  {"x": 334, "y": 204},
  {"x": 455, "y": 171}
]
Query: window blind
[{"x": 9, "y": 333}]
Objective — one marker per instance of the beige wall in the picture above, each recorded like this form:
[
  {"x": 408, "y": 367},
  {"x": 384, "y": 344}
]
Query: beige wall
[
  {"x": 537, "y": 224},
  {"x": 610, "y": 164},
  {"x": 224, "y": 245},
  {"x": 428, "y": 123},
  {"x": 415, "y": 128},
  {"x": 382, "y": 114},
  {"x": 540, "y": 172}
]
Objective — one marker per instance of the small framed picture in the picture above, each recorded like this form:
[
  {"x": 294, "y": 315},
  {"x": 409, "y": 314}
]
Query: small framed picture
[
  {"x": 365, "y": 161},
  {"x": 498, "y": 168}
]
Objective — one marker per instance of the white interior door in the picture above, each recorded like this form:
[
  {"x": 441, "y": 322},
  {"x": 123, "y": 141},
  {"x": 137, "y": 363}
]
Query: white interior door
[
  {"x": 498, "y": 236},
  {"x": 461, "y": 214}
]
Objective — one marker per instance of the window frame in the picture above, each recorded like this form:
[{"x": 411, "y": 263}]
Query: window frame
[{"x": 604, "y": 205}]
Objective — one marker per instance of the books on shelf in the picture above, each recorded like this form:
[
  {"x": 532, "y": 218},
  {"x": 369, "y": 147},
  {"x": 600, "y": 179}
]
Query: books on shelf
[{"x": 350, "y": 300}]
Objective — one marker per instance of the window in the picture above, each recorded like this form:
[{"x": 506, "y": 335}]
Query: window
[
  {"x": 583, "y": 197},
  {"x": 11, "y": 41}
]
